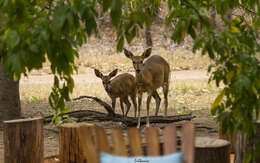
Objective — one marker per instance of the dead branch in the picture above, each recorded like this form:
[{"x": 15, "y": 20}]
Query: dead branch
[
  {"x": 101, "y": 102},
  {"x": 90, "y": 116}
]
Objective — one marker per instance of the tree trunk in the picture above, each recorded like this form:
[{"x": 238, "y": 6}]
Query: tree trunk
[
  {"x": 148, "y": 35},
  {"x": 9, "y": 97},
  {"x": 23, "y": 141},
  {"x": 209, "y": 150}
]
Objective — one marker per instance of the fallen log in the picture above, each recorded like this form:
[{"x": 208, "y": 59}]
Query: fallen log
[{"x": 90, "y": 115}]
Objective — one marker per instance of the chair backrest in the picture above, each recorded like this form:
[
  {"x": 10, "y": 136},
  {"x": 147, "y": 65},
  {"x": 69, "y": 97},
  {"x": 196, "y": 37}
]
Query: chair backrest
[{"x": 95, "y": 140}]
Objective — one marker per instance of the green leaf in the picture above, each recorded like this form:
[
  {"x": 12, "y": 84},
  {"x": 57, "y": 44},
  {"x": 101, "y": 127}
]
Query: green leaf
[
  {"x": 106, "y": 4},
  {"x": 91, "y": 25},
  {"x": 34, "y": 48},
  {"x": 13, "y": 39},
  {"x": 58, "y": 120},
  {"x": 229, "y": 76},
  {"x": 120, "y": 44},
  {"x": 169, "y": 18},
  {"x": 217, "y": 101},
  {"x": 34, "y": 99},
  {"x": 192, "y": 32},
  {"x": 197, "y": 44},
  {"x": 116, "y": 11},
  {"x": 243, "y": 82},
  {"x": 59, "y": 18}
]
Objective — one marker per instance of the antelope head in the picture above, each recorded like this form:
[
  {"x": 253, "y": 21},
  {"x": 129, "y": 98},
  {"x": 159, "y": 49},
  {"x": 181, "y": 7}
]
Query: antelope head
[
  {"x": 138, "y": 60},
  {"x": 106, "y": 79}
]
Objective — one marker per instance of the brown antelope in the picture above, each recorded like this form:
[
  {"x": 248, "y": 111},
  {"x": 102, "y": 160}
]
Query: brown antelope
[
  {"x": 150, "y": 75},
  {"x": 121, "y": 86}
]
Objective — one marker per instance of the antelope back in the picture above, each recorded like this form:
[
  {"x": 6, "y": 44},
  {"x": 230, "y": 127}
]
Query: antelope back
[
  {"x": 124, "y": 84},
  {"x": 156, "y": 70}
]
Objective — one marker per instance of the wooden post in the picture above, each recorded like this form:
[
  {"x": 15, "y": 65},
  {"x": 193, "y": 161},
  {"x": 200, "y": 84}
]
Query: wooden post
[
  {"x": 209, "y": 150},
  {"x": 69, "y": 144},
  {"x": 23, "y": 141}
]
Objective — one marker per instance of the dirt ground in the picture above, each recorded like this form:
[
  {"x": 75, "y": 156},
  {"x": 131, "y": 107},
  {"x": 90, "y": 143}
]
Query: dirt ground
[{"x": 205, "y": 125}]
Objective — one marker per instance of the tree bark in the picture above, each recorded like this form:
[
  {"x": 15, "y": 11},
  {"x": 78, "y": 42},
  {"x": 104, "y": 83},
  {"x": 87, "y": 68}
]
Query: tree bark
[
  {"x": 148, "y": 35},
  {"x": 23, "y": 141},
  {"x": 9, "y": 97},
  {"x": 209, "y": 150},
  {"x": 69, "y": 146}
]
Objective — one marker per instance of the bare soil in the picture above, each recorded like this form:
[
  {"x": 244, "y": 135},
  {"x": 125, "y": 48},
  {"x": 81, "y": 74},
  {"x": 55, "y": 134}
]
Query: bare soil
[{"x": 205, "y": 125}]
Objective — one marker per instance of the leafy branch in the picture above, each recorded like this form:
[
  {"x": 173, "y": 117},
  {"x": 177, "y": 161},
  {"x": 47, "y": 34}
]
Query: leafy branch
[{"x": 188, "y": 4}]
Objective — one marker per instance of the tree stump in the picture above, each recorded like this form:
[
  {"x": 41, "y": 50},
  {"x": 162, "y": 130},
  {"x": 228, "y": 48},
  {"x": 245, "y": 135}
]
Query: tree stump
[
  {"x": 23, "y": 141},
  {"x": 69, "y": 147},
  {"x": 209, "y": 150}
]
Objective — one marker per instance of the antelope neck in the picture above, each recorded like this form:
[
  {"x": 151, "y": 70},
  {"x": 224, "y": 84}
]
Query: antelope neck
[{"x": 139, "y": 78}]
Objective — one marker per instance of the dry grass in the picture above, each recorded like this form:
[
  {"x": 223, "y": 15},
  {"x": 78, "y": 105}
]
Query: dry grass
[{"x": 179, "y": 60}]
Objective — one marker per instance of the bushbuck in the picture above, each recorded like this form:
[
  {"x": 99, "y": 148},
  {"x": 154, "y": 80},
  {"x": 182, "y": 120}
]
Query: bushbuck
[
  {"x": 121, "y": 86},
  {"x": 150, "y": 75}
]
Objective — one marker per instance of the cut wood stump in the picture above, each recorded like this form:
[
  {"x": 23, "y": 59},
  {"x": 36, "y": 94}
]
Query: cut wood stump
[
  {"x": 210, "y": 150},
  {"x": 70, "y": 150},
  {"x": 23, "y": 141}
]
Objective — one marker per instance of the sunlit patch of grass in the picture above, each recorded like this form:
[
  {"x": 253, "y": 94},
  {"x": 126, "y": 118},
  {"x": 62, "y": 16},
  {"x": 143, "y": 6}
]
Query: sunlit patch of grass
[
  {"x": 192, "y": 94},
  {"x": 105, "y": 63},
  {"x": 185, "y": 60},
  {"x": 40, "y": 92}
]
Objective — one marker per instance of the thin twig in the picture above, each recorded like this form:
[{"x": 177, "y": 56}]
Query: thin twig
[{"x": 247, "y": 9}]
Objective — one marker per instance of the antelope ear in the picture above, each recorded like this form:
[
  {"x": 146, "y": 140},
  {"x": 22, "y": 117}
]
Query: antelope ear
[
  {"x": 98, "y": 73},
  {"x": 113, "y": 73},
  {"x": 128, "y": 54},
  {"x": 147, "y": 53}
]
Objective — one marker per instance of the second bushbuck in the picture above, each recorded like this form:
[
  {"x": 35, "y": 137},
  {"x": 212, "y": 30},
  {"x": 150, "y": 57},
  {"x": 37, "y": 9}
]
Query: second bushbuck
[{"x": 121, "y": 86}]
